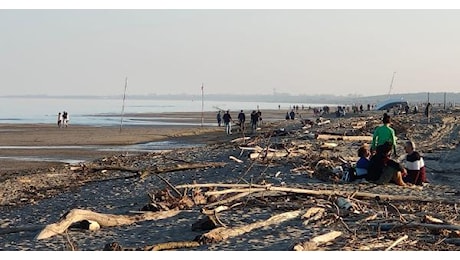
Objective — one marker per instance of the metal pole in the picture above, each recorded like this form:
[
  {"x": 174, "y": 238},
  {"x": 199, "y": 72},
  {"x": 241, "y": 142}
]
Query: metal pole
[
  {"x": 391, "y": 84},
  {"x": 202, "y": 105},
  {"x": 445, "y": 100},
  {"x": 123, "y": 106}
]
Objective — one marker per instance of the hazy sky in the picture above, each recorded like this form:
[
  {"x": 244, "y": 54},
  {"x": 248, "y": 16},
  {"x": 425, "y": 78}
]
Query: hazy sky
[{"x": 174, "y": 51}]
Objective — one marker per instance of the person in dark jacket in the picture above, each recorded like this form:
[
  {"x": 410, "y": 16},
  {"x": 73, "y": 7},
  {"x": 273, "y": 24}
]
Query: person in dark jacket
[
  {"x": 227, "y": 122},
  {"x": 241, "y": 120},
  {"x": 382, "y": 169}
]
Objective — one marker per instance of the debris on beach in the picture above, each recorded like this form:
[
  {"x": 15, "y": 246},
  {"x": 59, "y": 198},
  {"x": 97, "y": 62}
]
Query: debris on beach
[{"x": 282, "y": 185}]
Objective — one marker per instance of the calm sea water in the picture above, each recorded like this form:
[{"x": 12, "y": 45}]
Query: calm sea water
[{"x": 92, "y": 111}]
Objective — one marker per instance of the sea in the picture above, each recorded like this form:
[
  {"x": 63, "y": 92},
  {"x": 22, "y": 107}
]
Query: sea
[{"x": 101, "y": 111}]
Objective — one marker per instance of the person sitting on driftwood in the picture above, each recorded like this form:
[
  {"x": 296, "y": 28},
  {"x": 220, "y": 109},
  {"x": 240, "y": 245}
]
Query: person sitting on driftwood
[
  {"x": 415, "y": 166},
  {"x": 383, "y": 170},
  {"x": 363, "y": 162}
]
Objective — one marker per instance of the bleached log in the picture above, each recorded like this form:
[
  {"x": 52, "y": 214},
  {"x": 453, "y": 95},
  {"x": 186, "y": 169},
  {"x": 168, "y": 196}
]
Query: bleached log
[
  {"x": 313, "y": 243},
  {"x": 399, "y": 240},
  {"x": 328, "y": 145},
  {"x": 241, "y": 139},
  {"x": 104, "y": 220},
  {"x": 323, "y": 192},
  {"x": 268, "y": 155},
  {"x": 344, "y": 137},
  {"x": 235, "y": 159},
  {"x": 222, "y": 233},
  {"x": 325, "y": 122},
  {"x": 251, "y": 148}
]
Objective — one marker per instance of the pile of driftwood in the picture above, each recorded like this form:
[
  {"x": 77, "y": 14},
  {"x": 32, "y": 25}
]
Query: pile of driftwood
[
  {"x": 348, "y": 220},
  {"x": 344, "y": 216}
]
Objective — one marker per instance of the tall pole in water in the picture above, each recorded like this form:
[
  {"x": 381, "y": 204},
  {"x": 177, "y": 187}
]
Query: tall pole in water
[
  {"x": 123, "y": 106},
  {"x": 202, "y": 105}
]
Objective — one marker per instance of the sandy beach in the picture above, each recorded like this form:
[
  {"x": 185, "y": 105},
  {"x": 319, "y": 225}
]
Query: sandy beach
[
  {"x": 36, "y": 194},
  {"x": 81, "y": 143}
]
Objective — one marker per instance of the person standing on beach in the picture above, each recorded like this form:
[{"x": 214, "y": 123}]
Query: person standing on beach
[
  {"x": 259, "y": 118},
  {"x": 254, "y": 121},
  {"x": 59, "y": 121},
  {"x": 428, "y": 111},
  {"x": 383, "y": 134},
  {"x": 227, "y": 122},
  {"x": 65, "y": 118},
  {"x": 241, "y": 120},
  {"x": 219, "y": 119}
]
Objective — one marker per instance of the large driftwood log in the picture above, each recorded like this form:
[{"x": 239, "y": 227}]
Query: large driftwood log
[
  {"x": 223, "y": 233},
  {"x": 104, "y": 220},
  {"x": 155, "y": 170},
  {"x": 114, "y": 246},
  {"x": 344, "y": 137},
  {"x": 323, "y": 192}
]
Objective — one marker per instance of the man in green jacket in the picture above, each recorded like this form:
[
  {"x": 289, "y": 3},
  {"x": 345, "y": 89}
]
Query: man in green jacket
[{"x": 383, "y": 134}]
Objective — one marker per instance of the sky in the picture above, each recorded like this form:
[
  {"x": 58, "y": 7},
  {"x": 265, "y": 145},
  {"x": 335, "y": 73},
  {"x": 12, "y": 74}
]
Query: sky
[{"x": 91, "y": 50}]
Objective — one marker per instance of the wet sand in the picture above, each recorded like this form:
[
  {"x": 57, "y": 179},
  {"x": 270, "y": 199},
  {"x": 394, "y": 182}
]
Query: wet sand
[{"x": 26, "y": 146}]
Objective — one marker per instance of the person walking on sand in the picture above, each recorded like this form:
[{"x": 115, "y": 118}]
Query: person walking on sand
[
  {"x": 241, "y": 120},
  {"x": 428, "y": 111},
  {"x": 254, "y": 121},
  {"x": 219, "y": 118},
  {"x": 65, "y": 118},
  {"x": 227, "y": 122},
  {"x": 383, "y": 134},
  {"x": 59, "y": 120}
]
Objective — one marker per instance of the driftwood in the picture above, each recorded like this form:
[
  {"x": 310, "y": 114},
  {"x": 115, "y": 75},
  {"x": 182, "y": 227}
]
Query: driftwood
[
  {"x": 417, "y": 225},
  {"x": 344, "y": 137},
  {"x": 104, "y": 220},
  {"x": 322, "y": 192},
  {"x": 317, "y": 241},
  {"x": 114, "y": 246},
  {"x": 223, "y": 233},
  {"x": 399, "y": 240},
  {"x": 154, "y": 170}
]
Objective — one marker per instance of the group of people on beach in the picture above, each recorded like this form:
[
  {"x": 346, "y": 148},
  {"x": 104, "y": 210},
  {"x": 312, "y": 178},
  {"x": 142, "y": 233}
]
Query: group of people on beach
[
  {"x": 227, "y": 121},
  {"x": 63, "y": 119},
  {"x": 375, "y": 163}
]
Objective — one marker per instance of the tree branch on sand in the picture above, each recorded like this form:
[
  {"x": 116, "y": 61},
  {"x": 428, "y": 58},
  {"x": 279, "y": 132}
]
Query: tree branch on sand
[{"x": 104, "y": 220}]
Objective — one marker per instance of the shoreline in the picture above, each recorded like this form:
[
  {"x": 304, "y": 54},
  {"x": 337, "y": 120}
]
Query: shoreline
[{"x": 24, "y": 144}]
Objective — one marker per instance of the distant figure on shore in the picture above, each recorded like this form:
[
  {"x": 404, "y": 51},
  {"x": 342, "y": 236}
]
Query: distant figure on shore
[
  {"x": 415, "y": 166},
  {"x": 219, "y": 118},
  {"x": 292, "y": 114},
  {"x": 259, "y": 118},
  {"x": 227, "y": 122},
  {"x": 287, "y": 116},
  {"x": 241, "y": 120},
  {"x": 59, "y": 120},
  {"x": 65, "y": 118},
  {"x": 428, "y": 111},
  {"x": 254, "y": 121}
]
